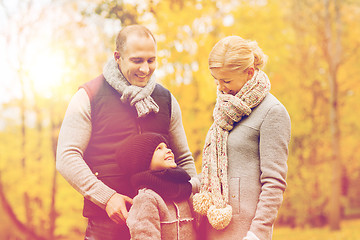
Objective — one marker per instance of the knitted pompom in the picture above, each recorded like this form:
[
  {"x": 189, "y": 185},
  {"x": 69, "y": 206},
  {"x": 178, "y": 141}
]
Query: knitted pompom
[
  {"x": 201, "y": 202},
  {"x": 219, "y": 218}
]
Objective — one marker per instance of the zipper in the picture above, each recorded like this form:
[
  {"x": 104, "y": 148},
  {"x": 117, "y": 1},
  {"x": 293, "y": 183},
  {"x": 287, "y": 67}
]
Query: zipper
[{"x": 138, "y": 126}]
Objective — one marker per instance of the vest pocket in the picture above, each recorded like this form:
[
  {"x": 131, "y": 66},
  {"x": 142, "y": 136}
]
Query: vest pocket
[
  {"x": 107, "y": 170},
  {"x": 234, "y": 194},
  {"x": 115, "y": 177}
]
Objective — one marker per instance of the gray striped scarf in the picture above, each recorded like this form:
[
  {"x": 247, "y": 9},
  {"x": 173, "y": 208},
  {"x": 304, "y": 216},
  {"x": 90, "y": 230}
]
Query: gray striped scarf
[{"x": 134, "y": 95}]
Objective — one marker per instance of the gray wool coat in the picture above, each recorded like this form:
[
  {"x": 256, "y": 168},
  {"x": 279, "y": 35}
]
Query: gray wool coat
[
  {"x": 151, "y": 218},
  {"x": 257, "y": 169}
]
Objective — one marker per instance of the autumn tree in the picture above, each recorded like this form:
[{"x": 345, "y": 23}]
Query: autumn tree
[
  {"x": 19, "y": 36},
  {"x": 47, "y": 60},
  {"x": 313, "y": 50},
  {"x": 321, "y": 54}
]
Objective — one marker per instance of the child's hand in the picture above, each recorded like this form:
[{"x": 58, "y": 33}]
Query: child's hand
[{"x": 116, "y": 208}]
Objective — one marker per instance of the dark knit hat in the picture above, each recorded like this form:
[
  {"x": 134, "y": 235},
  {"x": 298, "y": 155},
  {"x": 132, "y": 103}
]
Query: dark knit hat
[{"x": 135, "y": 153}]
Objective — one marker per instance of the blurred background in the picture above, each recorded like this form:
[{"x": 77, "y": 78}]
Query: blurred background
[{"x": 48, "y": 48}]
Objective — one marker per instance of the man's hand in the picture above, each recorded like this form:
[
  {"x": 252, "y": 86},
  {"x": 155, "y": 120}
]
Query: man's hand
[{"x": 116, "y": 208}]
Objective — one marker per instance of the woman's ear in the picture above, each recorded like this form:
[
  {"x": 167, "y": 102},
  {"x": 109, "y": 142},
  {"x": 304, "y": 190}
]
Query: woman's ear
[{"x": 250, "y": 72}]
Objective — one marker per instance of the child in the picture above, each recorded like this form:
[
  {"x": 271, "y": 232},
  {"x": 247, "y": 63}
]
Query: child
[{"x": 161, "y": 209}]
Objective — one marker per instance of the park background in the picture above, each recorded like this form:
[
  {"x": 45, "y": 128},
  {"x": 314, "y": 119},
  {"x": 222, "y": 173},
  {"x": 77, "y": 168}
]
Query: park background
[{"x": 48, "y": 48}]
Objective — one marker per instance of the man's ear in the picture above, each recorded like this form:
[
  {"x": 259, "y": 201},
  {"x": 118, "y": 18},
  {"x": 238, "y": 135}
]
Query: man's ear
[{"x": 116, "y": 56}]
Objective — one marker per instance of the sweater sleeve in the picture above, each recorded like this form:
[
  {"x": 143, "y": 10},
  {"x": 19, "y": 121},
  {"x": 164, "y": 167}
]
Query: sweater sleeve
[
  {"x": 73, "y": 139},
  {"x": 144, "y": 218},
  {"x": 179, "y": 143},
  {"x": 274, "y": 140}
]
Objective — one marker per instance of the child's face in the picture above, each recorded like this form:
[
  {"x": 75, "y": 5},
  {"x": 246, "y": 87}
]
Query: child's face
[{"x": 163, "y": 158}]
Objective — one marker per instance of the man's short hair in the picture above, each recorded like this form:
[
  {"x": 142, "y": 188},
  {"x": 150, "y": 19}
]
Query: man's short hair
[{"x": 131, "y": 29}]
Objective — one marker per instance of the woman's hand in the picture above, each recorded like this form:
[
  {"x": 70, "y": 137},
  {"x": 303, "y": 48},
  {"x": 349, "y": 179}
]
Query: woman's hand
[{"x": 250, "y": 236}]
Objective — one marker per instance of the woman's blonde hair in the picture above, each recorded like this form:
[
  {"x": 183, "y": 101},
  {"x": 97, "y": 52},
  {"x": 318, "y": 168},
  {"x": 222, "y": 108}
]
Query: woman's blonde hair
[{"x": 236, "y": 53}]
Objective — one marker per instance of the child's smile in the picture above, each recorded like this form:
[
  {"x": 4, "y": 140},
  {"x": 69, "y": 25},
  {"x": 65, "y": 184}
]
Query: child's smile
[{"x": 163, "y": 158}]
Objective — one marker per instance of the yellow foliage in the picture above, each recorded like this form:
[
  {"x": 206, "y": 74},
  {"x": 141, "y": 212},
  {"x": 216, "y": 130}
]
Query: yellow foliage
[
  {"x": 349, "y": 231},
  {"x": 290, "y": 33}
]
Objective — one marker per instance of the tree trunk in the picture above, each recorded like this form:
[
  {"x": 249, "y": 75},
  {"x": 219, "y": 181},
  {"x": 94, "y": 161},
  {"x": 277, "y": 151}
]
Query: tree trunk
[
  {"x": 53, "y": 213},
  {"x": 29, "y": 233},
  {"x": 333, "y": 51}
]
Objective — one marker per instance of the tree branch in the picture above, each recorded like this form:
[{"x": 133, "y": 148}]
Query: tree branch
[{"x": 11, "y": 214}]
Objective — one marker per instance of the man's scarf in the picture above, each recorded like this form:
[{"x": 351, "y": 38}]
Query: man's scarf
[{"x": 134, "y": 95}]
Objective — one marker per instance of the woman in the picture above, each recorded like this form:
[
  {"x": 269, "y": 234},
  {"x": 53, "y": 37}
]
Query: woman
[{"x": 244, "y": 159}]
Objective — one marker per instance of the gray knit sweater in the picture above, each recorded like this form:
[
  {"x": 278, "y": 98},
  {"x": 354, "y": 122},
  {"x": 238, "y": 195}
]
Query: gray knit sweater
[
  {"x": 74, "y": 137},
  {"x": 257, "y": 168}
]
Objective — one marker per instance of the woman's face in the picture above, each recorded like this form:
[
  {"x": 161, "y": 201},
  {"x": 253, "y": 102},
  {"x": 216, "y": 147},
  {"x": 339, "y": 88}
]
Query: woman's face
[{"x": 231, "y": 82}]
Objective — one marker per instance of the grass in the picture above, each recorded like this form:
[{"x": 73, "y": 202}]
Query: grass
[{"x": 350, "y": 230}]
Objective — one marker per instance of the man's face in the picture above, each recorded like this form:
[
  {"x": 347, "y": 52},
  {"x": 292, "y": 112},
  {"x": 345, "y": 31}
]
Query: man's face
[
  {"x": 163, "y": 158},
  {"x": 137, "y": 62}
]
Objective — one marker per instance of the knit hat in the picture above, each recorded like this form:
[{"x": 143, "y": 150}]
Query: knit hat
[{"x": 135, "y": 153}]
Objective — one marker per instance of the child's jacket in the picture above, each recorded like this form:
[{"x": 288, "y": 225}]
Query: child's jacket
[{"x": 150, "y": 217}]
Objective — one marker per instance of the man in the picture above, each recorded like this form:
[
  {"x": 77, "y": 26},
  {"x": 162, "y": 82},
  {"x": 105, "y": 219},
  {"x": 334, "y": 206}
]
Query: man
[{"x": 125, "y": 100}]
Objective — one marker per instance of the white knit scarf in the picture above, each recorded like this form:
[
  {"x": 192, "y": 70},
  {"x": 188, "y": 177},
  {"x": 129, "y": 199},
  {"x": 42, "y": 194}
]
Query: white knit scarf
[
  {"x": 228, "y": 110},
  {"x": 134, "y": 95}
]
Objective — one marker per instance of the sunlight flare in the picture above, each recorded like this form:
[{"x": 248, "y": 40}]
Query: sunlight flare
[{"x": 46, "y": 70}]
